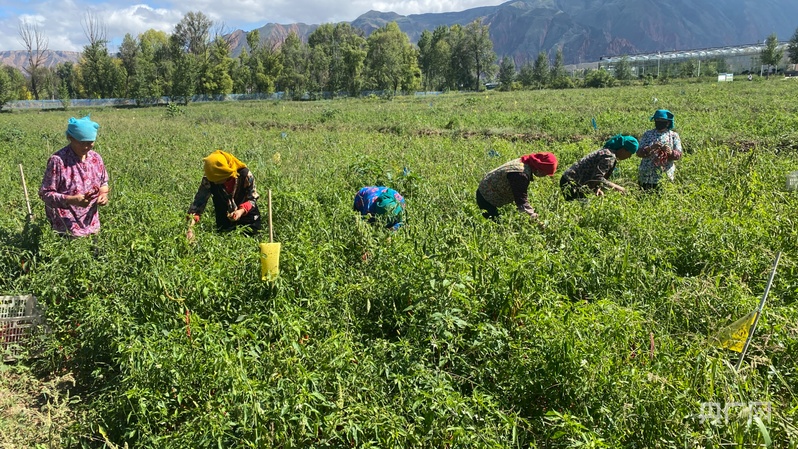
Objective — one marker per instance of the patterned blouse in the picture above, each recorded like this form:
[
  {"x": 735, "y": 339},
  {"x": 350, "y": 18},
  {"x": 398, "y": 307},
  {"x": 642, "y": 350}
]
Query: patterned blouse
[
  {"x": 592, "y": 170},
  {"x": 66, "y": 175},
  {"x": 506, "y": 184},
  {"x": 652, "y": 167}
]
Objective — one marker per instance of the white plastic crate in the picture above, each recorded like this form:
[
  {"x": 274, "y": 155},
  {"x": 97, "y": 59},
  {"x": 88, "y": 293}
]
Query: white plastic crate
[
  {"x": 19, "y": 316},
  {"x": 792, "y": 181}
]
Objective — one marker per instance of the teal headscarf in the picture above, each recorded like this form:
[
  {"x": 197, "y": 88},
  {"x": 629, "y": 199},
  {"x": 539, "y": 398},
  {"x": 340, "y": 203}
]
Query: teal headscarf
[
  {"x": 663, "y": 114},
  {"x": 387, "y": 205},
  {"x": 619, "y": 141},
  {"x": 82, "y": 129}
]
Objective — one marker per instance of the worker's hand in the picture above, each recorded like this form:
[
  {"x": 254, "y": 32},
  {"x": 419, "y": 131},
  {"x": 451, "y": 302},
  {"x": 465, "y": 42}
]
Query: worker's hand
[
  {"x": 78, "y": 200},
  {"x": 599, "y": 192},
  {"x": 236, "y": 214},
  {"x": 621, "y": 190},
  {"x": 190, "y": 235},
  {"x": 102, "y": 198},
  {"x": 92, "y": 193},
  {"x": 533, "y": 217}
]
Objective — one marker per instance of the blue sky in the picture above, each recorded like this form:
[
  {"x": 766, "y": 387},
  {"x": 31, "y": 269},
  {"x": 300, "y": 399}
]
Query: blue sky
[{"x": 60, "y": 21}]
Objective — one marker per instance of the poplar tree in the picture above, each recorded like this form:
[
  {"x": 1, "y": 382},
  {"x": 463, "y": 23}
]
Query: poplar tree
[
  {"x": 435, "y": 52},
  {"x": 771, "y": 55},
  {"x": 558, "y": 78},
  {"x": 506, "y": 73},
  {"x": 386, "y": 61},
  {"x": 35, "y": 43},
  {"x": 540, "y": 71},
  {"x": 792, "y": 48},
  {"x": 480, "y": 50},
  {"x": 6, "y": 88},
  {"x": 294, "y": 61}
]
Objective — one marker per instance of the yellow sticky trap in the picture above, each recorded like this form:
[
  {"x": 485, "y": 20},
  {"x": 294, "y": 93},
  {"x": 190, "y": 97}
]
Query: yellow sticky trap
[
  {"x": 269, "y": 261},
  {"x": 734, "y": 335}
]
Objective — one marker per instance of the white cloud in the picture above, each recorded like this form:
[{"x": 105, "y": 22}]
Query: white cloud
[
  {"x": 33, "y": 19},
  {"x": 320, "y": 11},
  {"x": 61, "y": 20},
  {"x": 137, "y": 19}
]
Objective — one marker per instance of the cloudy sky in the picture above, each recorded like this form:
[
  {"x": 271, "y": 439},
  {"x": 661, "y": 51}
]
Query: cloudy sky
[{"x": 60, "y": 21}]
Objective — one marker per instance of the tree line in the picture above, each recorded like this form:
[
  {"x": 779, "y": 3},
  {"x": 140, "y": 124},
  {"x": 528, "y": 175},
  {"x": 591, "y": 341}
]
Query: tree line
[{"x": 196, "y": 58}]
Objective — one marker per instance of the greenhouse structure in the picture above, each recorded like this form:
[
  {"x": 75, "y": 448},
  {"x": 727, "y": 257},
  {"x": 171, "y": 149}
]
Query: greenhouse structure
[{"x": 743, "y": 59}]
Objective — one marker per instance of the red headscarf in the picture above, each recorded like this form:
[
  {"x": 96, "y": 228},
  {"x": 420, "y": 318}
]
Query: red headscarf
[{"x": 544, "y": 162}]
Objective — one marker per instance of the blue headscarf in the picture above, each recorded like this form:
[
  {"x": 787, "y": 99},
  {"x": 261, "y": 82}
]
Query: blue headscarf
[
  {"x": 619, "y": 141},
  {"x": 82, "y": 129}
]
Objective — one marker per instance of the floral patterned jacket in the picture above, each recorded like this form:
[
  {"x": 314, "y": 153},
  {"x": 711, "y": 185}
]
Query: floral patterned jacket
[
  {"x": 67, "y": 175},
  {"x": 655, "y": 164}
]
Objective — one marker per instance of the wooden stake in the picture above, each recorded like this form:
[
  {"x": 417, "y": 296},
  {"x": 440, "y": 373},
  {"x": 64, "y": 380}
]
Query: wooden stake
[
  {"x": 271, "y": 233},
  {"x": 758, "y": 312},
  {"x": 25, "y": 188}
]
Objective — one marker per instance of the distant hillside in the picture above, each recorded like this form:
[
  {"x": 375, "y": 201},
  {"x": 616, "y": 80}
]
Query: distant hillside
[
  {"x": 18, "y": 58},
  {"x": 272, "y": 34},
  {"x": 586, "y": 30}
]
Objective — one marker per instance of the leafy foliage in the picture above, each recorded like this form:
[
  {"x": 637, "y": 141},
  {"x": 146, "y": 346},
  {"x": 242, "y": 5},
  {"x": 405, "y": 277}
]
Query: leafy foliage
[
  {"x": 771, "y": 54},
  {"x": 792, "y": 48},
  {"x": 454, "y": 331},
  {"x": 599, "y": 78}
]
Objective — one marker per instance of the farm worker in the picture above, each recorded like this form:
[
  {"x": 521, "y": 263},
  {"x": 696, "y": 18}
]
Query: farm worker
[
  {"x": 589, "y": 174},
  {"x": 379, "y": 202},
  {"x": 659, "y": 148},
  {"x": 235, "y": 200},
  {"x": 510, "y": 182},
  {"x": 75, "y": 182}
]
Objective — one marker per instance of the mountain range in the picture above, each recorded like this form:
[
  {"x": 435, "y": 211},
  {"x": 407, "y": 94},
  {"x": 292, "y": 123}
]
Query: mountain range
[{"x": 586, "y": 30}]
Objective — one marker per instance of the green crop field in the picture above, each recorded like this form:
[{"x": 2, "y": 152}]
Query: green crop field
[{"x": 455, "y": 331}]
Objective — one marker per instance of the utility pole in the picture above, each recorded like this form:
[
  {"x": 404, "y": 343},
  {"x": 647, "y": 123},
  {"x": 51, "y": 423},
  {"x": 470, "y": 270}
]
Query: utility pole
[{"x": 659, "y": 56}]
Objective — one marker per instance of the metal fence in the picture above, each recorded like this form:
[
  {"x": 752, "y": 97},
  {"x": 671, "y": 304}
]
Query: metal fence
[{"x": 129, "y": 102}]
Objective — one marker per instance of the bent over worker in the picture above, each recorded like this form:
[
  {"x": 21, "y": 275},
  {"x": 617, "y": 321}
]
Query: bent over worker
[
  {"x": 509, "y": 183},
  {"x": 235, "y": 200}
]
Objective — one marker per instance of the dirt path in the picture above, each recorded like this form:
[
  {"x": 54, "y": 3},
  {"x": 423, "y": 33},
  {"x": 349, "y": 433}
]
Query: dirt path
[{"x": 33, "y": 413}]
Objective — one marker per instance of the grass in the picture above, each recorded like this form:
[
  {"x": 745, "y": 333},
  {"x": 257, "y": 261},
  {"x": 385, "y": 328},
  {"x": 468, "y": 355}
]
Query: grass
[{"x": 453, "y": 332}]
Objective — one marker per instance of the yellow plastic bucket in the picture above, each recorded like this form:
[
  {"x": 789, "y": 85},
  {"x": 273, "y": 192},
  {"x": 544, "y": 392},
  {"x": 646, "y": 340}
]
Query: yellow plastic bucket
[{"x": 269, "y": 261}]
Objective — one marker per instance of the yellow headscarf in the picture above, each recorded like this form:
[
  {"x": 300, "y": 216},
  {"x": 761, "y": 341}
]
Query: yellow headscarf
[{"x": 221, "y": 165}]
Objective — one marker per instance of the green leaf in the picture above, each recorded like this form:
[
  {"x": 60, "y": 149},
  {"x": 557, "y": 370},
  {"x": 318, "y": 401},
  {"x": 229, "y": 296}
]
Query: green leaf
[{"x": 763, "y": 431}]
